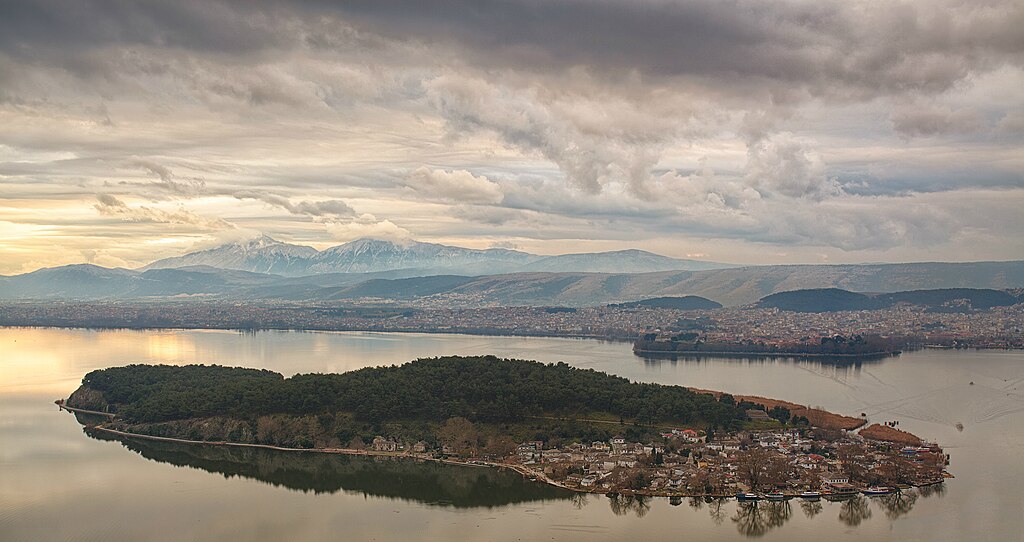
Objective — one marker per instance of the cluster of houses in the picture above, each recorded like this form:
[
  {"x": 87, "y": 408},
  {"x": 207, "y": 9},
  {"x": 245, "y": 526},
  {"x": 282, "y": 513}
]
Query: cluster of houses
[{"x": 688, "y": 462}]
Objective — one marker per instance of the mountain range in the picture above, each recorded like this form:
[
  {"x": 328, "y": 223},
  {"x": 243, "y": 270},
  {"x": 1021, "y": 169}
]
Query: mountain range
[
  {"x": 730, "y": 287},
  {"x": 267, "y": 255}
]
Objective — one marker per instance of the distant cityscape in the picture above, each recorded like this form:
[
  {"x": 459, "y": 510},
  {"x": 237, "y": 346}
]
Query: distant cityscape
[{"x": 996, "y": 327}]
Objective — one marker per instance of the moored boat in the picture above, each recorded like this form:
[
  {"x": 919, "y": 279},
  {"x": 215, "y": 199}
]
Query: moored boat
[
  {"x": 775, "y": 496},
  {"x": 875, "y": 490},
  {"x": 810, "y": 495},
  {"x": 747, "y": 496}
]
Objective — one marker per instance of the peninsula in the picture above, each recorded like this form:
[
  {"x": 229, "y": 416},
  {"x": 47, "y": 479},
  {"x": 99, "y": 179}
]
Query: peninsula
[{"x": 574, "y": 428}]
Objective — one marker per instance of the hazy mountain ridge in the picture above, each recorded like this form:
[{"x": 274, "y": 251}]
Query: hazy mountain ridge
[
  {"x": 267, "y": 255},
  {"x": 729, "y": 287}
]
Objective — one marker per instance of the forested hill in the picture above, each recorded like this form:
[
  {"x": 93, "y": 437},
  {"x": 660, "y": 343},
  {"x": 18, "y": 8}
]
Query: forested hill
[
  {"x": 485, "y": 389},
  {"x": 944, "y": 299},
  {"x": 684, "y": 303}
]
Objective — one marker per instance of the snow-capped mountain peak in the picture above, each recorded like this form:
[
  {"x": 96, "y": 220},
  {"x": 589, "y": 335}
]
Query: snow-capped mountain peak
[{"x": 264, "y": 254}]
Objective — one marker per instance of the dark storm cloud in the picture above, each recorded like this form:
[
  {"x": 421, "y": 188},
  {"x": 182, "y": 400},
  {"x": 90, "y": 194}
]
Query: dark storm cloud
[
  {"x": 829, "y": 47},
  {"x": 869, "y": 47},
  {"x": 41, "y": 26}
]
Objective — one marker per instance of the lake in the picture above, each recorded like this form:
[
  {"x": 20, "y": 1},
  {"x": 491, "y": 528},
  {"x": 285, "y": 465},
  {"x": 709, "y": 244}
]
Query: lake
[{"x": 58, "y": 483}]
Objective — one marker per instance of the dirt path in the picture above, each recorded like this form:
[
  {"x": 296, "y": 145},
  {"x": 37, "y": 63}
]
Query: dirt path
[{"x": 817, "y": 417}]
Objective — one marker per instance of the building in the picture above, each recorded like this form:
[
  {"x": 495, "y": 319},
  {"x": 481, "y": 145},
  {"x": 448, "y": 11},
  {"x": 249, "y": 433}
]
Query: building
[
  {"x": 756, "y": 414},
  {"x": 381, "y": 444}
]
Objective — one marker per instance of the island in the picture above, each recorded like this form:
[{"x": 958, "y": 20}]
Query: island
[
  {"x": 574, "y": 428},
  {"x": 830, "y": 347}
]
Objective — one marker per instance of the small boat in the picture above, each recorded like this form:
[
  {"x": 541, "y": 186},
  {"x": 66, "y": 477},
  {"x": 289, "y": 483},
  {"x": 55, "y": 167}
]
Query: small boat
[
  {"x": 775, "y": 496},
  {"x": 810, "y": 495},
  {"x": 875, "y": 490},
  {"x": 747, "y": 496}
]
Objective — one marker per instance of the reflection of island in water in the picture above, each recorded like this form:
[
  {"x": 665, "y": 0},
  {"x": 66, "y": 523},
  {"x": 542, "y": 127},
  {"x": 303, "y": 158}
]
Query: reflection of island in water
[
  {"x": 656, "y": 359},
  {"x": 471, "y": 487},
  {"x": 755, "y": 518},
  {"x": 395, "y": 478}
]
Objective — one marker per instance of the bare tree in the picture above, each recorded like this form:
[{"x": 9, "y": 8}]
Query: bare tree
[
  {"x": 459, "y": 434},
  {"x": 500, "y": 447},
  {"x": 758, "y": 467}
]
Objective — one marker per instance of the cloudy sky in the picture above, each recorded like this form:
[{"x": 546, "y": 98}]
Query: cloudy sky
[{"x": 729, "y": 130}]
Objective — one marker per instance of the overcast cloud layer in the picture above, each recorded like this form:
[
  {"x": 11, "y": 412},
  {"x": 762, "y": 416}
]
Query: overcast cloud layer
[{"x": 739, "y": 131}]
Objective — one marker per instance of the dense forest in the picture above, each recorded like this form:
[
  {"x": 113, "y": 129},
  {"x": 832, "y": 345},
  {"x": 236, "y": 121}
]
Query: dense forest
[{"x": 480, "y": 389}]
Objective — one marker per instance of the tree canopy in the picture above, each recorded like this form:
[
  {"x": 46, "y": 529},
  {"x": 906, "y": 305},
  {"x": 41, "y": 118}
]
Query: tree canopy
[{"x": 484, "y": 389}]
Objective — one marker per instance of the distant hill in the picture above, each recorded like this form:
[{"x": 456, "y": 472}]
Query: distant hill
[
  {"x": 819, "y": 300},
  {"x": 621, "y": 261},
  {"x": 80, "y": 281},
  {"x": 91, "y": 282},
  {"x": 834, "y": 299},
  {"x": 686, "y": 303},
  {"x": 974, "y": 298},
  {"x": 267, "y": 255}
]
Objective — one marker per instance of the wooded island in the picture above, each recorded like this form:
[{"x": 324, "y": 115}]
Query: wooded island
[{"x": 571, "y": 427}]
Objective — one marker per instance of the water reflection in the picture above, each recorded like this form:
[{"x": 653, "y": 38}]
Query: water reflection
[
  {"x": 474, "y": 487},
  {"x": 937, "y": 490},
  {"x": 854, "y": 510},
  {"x": 624, "y": 504},
  {"x": 811, "y": 508},
  {"x": 654, "y": 360},
  {"x": 754, "y": 519},
  {"x": 404, "y": 479},
  {"x": 898, "y": 504}
]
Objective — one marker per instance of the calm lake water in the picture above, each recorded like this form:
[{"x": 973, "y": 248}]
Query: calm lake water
[{"x": 57, "y": 483}]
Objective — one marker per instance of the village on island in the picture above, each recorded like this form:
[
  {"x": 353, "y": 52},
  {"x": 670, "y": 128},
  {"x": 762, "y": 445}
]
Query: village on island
[
  {"x": 805, "y": 461},
  {"x": 761, "y": 448},
  {"x": 774, "y": 464}
]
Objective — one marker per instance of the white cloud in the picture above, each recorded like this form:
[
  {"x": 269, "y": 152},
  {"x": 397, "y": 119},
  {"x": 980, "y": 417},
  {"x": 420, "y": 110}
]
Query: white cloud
[
  {"x": 457, "y": 186},
  {"x": 368, "y": 226},
  {"x": 112, "y": 206}
]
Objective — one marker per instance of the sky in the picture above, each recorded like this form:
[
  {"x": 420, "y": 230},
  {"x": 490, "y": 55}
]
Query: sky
[{"x": 739, "y": 131}]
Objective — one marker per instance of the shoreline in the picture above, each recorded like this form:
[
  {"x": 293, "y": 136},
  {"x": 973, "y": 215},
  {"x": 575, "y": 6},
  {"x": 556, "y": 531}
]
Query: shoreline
[
  {"x": 526, "y": 472},
  {"x": 498, "y": 334},
  {"x": 470, "y": 333}
]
